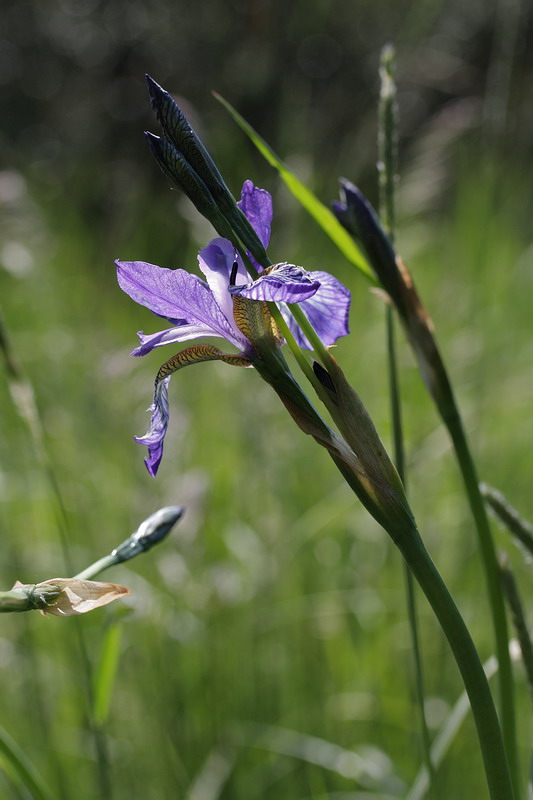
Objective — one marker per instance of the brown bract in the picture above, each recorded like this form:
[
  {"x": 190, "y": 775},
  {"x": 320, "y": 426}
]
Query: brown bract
[{"x": 70, "y": 596}]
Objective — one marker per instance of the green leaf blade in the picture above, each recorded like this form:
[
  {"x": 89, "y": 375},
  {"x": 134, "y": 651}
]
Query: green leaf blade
[{"x": 320, "y": 213}]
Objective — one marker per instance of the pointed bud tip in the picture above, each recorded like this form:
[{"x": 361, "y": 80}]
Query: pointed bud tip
[{"x": 155, "y": 91}]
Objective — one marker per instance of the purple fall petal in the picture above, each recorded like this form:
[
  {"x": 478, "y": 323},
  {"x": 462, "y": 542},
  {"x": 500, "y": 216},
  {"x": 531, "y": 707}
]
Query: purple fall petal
[
  {"x": 327, "y": 311},
  {"x": 155, "y": 436},
  {"x": 285, "y": 283},
  {"x": 181, "y": 333},
  {"x": 175, "y": 293}
]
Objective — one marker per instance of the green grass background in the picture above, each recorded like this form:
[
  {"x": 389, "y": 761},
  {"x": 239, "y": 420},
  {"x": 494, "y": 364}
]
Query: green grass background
[{"x": 275, "y": 612}]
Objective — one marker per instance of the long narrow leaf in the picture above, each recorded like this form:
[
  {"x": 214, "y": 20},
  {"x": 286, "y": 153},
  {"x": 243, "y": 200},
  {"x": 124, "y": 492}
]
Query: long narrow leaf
[
  {"x": 446, "y": 735},
  {"x": 23, "y": 769},
  {"x": 106, "y": 673},
  {"x": 320, "y": 213}
]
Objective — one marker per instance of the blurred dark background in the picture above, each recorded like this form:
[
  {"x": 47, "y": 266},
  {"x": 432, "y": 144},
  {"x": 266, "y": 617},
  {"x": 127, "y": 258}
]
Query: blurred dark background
[
  {"x": 277, "y": 609},
  {"x": 73, "y": 102}
]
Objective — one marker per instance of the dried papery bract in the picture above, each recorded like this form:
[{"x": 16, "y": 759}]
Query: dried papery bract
[{"x": 67, "y": 597}]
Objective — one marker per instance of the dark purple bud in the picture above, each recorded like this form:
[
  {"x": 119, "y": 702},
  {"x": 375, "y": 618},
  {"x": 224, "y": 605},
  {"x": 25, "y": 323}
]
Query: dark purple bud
[
  {"x": 180, "y": 172},
  {"x": 192, "y": 152},
  {"x": 180, "y": 133},
  {"x": 356, "y": 214},
  {"x": 149, "y": 532}
]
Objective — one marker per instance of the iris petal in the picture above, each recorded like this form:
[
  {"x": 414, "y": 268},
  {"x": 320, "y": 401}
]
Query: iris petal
[
  {"x": 155, "y": 436},
  {"x": 256, "y": 205},
  {"x": 283, "y": 283},
  {"x": 175, "y": 293},
  {"x": 216, "y": 262},
  {"x": 327, "y": 311},
  {"x": 181, "y": 333}
]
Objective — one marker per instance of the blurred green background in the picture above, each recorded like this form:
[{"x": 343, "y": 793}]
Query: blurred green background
[{"x": 276, "y": 611}]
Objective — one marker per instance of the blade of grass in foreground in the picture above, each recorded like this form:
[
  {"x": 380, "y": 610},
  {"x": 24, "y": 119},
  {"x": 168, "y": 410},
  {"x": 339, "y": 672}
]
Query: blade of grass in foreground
[
  {"x": 23, "y": 768},
  {"x": 321, "y": 213},
  {"x": 446, "y": 735},
  {"x": 387, "y": 167},
  {"x": 104, "y": 678}
]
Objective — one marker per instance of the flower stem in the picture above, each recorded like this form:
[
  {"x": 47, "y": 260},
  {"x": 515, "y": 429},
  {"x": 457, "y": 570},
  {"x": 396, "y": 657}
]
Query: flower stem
[
  {"x": 388, "y": 175},
  {"x": 492, "y": 575},
  {"x": 466, "y": 656},
  {"x": 410, "y": 589}
]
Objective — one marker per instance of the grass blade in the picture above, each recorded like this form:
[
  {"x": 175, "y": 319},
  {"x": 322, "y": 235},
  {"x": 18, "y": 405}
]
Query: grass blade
[
  {"x": 320, "y": 213},
  {"x": 443, "y": 740},
  {"x": 23, "y": 768},
  {"x": 106, "y": 673}
]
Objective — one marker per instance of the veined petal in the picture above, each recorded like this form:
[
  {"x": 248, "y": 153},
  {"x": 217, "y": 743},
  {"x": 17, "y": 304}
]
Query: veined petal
[
  {"x": 155, "y": 436},
  {"x": 256, "y": 205},
  {"x": 216, "y": 261},
  {"x": 327, "y": 311},
  {"x": 283, "y": 283},
  {"x": 181, "y": 333},
  {"x": 175, "y": 294}
]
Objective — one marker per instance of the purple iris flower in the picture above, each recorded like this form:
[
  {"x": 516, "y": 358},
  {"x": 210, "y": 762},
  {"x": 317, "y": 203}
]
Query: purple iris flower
[{"x": 207, "y": 308}]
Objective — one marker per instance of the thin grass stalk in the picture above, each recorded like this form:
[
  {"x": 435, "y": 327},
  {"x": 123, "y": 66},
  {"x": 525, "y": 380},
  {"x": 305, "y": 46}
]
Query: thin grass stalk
[
  {"x": 23, "y": 768},
  {"x": 476, "y": 684},
  {"x": 468, "y": 470},
  {"x": 519, "y": 618},
  {"x": 23, "y": 396},
  {"x": 518, "y": 527},
  {"x": 446, "y": 735},
  {"x": 387, "y": 171}
]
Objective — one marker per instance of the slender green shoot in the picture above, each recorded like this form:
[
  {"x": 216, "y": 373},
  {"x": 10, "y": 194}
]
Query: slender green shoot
[
  {"x": 23, "y": 769},
  {"x": 104, "y": 678},
  {"x": 387, "y": 171},
  {"x": 445, "y": 737},
  {"x": 324, "y": 217},
  {"x": 518, "y": 527},
  {"x": 518, "y": 615}
]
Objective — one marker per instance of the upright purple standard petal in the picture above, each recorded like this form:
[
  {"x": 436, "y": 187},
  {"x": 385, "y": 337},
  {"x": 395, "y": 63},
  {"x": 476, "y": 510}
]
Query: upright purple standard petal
[
  {"x": 216, "y": 262},
  {"x": 155, "y": 436},
  {"x": 327, "y": 311},
  {"x": 256, "y": 205},
  {"x": 282, "y": 283}
]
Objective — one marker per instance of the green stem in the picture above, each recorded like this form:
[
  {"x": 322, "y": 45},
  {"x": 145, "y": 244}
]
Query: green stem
[
  {"x": 387, "y": 172},
  {"x": 419, "y": 678},
  {"x": 310, "y": 333},
  {"x": 494, "y": 588},
  {"x": 399, "y": 459},
  {"x": 99, "y": 566},
  {"x": 446, "y": 735},
  {"x": 466, "y": 656}
]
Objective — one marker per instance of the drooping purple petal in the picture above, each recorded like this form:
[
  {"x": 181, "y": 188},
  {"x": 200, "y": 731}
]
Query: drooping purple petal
[
  {"x": 181, "y": 333},
  {"x": 256, "y": 205},
  {"x": 285, "y": 283},
  {"x": 196, "y": 354},
  {"x": 175, "y": 294},
  {"x": 155, "y": 435},
  {"x": 216, "y": 262},
  {"x": 327, "y": 311}
]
